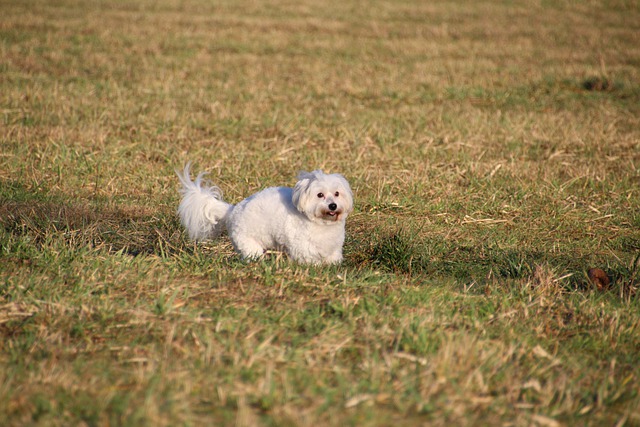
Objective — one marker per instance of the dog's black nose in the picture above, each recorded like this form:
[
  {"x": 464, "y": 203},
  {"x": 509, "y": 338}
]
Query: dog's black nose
[{"x": 333, "y": 206}]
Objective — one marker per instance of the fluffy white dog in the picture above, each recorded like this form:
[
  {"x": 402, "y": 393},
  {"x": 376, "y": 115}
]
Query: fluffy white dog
[{"x": 307, "y": 221}]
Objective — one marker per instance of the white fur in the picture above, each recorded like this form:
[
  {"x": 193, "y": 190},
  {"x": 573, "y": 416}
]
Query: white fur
[{"x": 307, "y": 221}]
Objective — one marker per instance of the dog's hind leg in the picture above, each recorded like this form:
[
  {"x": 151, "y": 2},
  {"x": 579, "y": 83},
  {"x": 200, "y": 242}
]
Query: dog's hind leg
[{"x": 248, "y": 248}]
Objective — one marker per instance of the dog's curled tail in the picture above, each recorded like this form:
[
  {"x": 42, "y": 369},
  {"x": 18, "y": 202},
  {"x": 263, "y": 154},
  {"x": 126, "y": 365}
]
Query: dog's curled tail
[{"x": 202, "y": 211}]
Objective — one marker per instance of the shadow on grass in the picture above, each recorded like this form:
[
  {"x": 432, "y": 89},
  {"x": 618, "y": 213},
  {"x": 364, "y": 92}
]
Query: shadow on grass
[
  {"x": 134, "y": 230},
  {"x": 402, "y": 253},
  {"x": 140, "y": 230}
]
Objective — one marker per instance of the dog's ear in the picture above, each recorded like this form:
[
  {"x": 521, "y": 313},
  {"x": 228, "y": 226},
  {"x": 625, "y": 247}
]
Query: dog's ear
[{"x": 300, "y": 196}]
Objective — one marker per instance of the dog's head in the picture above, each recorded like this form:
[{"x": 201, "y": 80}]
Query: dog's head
[{"x": 322, "y": 197}]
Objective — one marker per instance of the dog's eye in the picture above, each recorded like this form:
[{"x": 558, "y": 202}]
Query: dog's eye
[
  {"x": 337, "y": 194},
  {"x": 320, "y": 195}
]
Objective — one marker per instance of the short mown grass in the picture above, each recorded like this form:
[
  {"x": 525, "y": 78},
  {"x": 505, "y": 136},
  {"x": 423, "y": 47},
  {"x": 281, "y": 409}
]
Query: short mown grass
[{"x": 494, "y": 152}]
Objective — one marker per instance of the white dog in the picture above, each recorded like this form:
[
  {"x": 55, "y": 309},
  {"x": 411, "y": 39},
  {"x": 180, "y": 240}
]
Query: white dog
[{"x": 307, "y": 221}]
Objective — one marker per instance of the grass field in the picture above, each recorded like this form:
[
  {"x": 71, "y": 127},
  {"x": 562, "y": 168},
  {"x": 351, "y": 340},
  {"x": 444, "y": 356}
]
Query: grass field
[{"x": 494, "y": 152}]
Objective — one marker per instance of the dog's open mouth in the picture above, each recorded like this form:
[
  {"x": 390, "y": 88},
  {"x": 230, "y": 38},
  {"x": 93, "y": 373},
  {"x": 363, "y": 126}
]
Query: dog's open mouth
[{"x": 331, "y": 215}]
